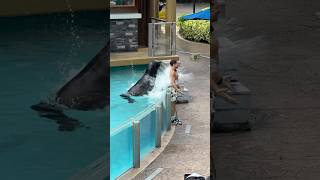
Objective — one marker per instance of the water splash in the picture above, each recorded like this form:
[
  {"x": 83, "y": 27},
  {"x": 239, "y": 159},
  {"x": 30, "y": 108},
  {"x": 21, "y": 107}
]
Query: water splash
[
  {"x": 184, "y": 77},
  {"x": 163, "y": 81},
  {"x": 134, "y": 73},
  {"x": 75, "y": 41}
]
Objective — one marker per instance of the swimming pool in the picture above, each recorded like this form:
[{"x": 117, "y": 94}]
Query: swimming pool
[
  {"x": 38, "y": 54},
  {"x": 121, "y": 79},
  {"x": 122, "y": 115}
]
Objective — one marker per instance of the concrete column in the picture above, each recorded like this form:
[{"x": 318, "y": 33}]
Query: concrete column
[
  {"x": 170, "y": 17},
  {"x": 154, "y": 8},
  {"x": 171, "y": 10}
]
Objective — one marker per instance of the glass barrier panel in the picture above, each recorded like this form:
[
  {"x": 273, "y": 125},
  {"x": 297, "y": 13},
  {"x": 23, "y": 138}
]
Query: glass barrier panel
[
  {"x": 121, "y": 138},
  {"x": 147, "y": 134},
  {"x": 164, "y": 115},
  {"x": 121, "y": 150},
  {"x": 169, "y": 110},
  {"x": 162, "y": 39}
]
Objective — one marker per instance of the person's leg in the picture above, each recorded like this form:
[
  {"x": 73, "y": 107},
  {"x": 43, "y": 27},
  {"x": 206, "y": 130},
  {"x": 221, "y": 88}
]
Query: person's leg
[
  {"x": 173, "y": 108},
  {"x": 176, "y": 120}
]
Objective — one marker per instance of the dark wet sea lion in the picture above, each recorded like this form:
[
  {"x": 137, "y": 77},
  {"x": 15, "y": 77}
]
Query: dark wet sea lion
[
  {"x": 146, "y": 83},
  {"x": 88, "y": 90}
]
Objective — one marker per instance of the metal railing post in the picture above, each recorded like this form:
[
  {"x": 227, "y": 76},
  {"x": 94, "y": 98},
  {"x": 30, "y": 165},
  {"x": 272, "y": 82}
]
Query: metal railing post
[
  {"x": 170, "y": 38},
  {"x": 136, "y": 143},
  {"x": 168, "y": 107},
  {"x": 150, "y": 28},
  {"x": 158, "y": 125},
  {"x": 154, "y": 39},
  {"x": 174, "y": 39}
]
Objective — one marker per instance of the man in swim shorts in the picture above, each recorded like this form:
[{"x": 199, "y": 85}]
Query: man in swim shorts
[{"x": 174, "y": 90}]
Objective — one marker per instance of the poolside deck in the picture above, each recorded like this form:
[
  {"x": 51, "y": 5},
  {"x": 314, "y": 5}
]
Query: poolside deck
[
  {"x": 139, "y": 57},
  {"x": 189, "y": 148}
]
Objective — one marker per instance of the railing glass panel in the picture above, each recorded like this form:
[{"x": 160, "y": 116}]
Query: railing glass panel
[
  {"x": 162, "y": 39},
  {"x": 144, "y": 127},
  {"x": 147, "y": 133},
  {"x": 121, "y": 150}
]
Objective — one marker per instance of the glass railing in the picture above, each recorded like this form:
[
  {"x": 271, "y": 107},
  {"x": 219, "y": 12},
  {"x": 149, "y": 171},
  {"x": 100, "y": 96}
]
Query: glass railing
[
  {"x": 138, "y": 136},
  {"x": 162, "y": 38}
]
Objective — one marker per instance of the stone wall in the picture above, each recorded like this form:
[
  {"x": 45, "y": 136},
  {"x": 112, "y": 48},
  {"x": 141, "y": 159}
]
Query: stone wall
[{"x": 124, "y": 35}]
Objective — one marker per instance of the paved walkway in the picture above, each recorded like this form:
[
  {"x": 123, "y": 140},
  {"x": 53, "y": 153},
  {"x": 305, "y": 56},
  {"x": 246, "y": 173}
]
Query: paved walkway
[
  {"x": 277, "y": 45},
  {"x": 187, "y": 153}
]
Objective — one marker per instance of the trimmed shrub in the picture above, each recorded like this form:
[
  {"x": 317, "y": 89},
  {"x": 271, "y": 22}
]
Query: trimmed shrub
[{"x": 194, "y": 30}]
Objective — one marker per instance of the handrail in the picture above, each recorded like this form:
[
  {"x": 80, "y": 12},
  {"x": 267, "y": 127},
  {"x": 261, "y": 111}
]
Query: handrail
[
  {"x": 157, "y": 19},
  {"x": 153, "y": 35},
  {"x": 140, "y": 115},
  {"x": 128, "y": 122},
  {"x": 118, "y": 129},
  {"x": 164, "y": 22}
]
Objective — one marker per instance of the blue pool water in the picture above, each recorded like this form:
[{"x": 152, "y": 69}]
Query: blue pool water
[
  {"x": 121, "y": 112},
  {"x": 121, "y": 79},
  {"x": 38, "y": 54}
]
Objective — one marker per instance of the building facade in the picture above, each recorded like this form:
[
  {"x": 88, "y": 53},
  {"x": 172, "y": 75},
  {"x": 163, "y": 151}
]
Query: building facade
[{"x": 129, "y": 22}]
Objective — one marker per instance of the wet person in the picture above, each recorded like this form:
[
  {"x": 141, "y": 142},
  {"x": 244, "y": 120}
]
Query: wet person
[{"x": 174, "y": 90}]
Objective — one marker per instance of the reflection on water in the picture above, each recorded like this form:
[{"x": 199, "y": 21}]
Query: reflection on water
[{"x": 38, "y": 55}]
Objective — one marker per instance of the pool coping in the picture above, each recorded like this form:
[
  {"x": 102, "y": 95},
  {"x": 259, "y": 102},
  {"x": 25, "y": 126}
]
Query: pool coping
[
  {"x": 152, "y": 156},
  {"x": 96, "y": 170},
  {"x": 139, "y": 57}
]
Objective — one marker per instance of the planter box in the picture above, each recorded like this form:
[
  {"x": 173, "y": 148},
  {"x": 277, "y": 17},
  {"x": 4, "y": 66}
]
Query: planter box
[{"x": 192, "y": 47}]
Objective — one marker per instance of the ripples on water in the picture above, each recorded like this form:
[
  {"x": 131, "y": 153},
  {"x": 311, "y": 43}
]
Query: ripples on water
[{"x": 38, "y": 54}]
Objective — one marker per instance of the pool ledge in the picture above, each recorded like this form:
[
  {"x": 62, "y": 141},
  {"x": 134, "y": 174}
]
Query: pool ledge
[
  {"x": 138, "y": 57},
  {"x": 96, "y": 170},
  {"x": 133, "y": 172}
]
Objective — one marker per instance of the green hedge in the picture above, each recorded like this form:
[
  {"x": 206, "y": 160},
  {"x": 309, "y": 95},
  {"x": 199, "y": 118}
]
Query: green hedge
[{"x": 194, "y": 30}]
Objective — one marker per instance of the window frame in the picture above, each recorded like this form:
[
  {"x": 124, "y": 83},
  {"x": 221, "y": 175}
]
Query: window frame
[{"x": 125, "y": 8}]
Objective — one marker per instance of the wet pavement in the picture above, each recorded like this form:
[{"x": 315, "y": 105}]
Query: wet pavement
[
  {"x": 189, "y": 148},
  {"x": 276, "y": 48}
]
